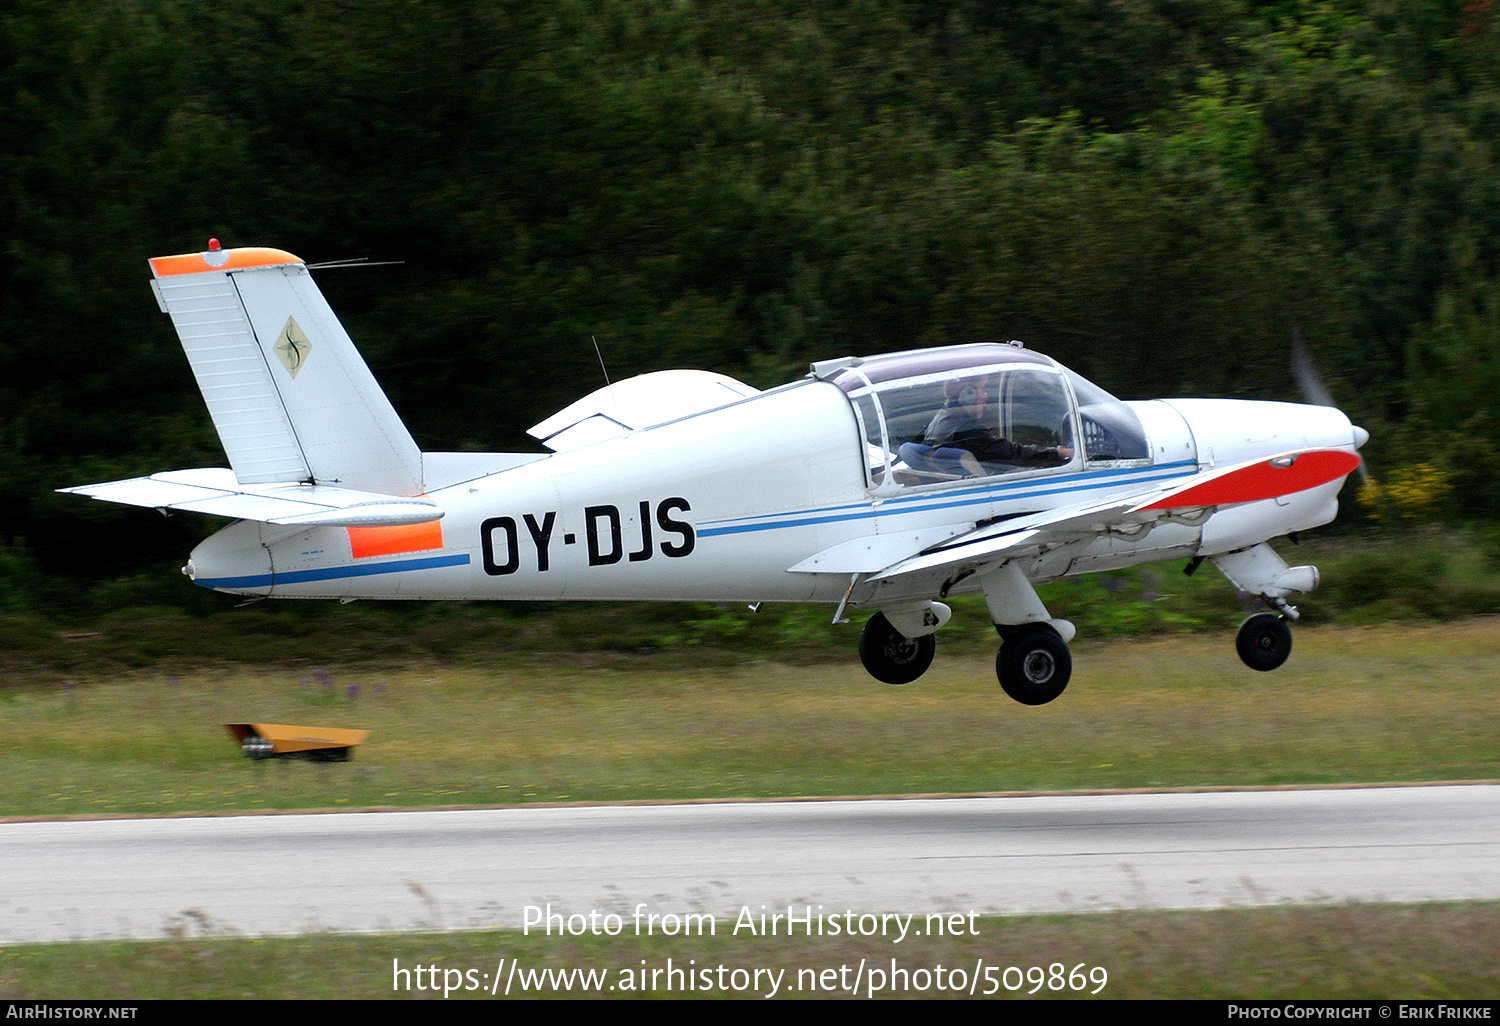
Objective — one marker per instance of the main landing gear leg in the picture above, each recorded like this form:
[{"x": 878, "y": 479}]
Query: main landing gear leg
[{"x": 1033, "y": 663}]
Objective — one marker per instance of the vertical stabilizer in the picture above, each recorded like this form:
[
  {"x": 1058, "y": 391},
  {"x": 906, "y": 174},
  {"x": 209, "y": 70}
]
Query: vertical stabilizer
[{"x": 289, "y": 394}]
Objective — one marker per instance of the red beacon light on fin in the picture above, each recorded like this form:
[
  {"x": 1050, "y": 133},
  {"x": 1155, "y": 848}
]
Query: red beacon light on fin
[{"x": 213, "y": 245}]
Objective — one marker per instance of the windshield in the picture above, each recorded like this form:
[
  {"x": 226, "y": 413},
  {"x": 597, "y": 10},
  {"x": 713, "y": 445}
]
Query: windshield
[{"x": 1111, "y": 430}]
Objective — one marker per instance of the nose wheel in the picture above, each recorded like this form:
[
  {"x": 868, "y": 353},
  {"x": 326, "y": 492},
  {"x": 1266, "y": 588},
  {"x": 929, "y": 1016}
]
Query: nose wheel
[
  {"x": 1264, "y": 641},
  {"x": 1033, "y": 664},
  {"x": 891, "y": 656}
]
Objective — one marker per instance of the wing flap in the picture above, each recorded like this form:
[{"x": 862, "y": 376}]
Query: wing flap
[
  {"x": 1007, "y": 546},
  {"x": 867, "y": 555}
]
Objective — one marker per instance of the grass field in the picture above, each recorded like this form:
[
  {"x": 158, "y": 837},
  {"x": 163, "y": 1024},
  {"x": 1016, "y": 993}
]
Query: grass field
[{"x": 1392, "y": 703}]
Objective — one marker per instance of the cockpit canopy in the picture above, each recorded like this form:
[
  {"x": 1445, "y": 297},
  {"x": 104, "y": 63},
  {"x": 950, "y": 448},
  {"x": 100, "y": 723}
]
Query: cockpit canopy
[{"x": 981, "y": 410}]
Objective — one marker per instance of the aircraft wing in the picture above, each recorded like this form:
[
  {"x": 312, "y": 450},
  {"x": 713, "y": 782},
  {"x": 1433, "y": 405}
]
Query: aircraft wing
[
  {"x": 1192, "y": 500},
  {"x": 217, "y": 491}
]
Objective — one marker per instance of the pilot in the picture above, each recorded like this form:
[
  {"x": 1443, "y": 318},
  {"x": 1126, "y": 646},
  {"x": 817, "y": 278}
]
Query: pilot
[{"x": 959, "y": 425}]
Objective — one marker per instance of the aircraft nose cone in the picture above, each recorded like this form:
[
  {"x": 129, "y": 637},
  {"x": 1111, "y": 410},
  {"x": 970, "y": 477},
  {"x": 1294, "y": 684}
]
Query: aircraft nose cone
[{"x": 1361, "y": 436}]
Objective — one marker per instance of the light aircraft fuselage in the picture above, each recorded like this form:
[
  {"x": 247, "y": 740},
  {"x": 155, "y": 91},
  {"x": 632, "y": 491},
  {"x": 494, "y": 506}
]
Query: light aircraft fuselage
[{"x": 884, "y": 482}]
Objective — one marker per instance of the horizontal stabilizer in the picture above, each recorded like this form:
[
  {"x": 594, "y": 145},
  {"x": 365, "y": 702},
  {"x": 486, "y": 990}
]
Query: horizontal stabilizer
[{"x": 216, "y": 491}]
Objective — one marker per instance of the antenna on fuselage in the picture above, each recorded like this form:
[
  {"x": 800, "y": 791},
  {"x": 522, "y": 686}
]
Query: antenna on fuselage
[{"x": 600, "y": 355}]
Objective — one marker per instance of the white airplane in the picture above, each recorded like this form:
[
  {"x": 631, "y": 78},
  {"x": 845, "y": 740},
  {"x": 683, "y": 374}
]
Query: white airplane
[{"x": 884, "y": 483}]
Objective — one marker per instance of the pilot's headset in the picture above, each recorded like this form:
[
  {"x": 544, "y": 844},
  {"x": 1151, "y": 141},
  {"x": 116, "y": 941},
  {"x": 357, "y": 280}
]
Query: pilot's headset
[{"x": 965, "y": 392}]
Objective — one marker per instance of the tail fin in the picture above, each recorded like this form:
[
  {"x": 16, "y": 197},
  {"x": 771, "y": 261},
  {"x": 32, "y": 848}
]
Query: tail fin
[{"x": 289, "y": 394}]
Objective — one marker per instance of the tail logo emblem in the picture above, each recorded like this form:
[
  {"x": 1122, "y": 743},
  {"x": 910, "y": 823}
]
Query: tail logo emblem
[{"x": 292, "y": 346}]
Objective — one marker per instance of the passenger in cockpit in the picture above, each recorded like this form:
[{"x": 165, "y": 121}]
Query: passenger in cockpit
[{"x": 960, "y": 425}]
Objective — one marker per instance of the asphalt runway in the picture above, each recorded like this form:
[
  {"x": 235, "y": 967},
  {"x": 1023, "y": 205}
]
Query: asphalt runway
[{"x": 410, "y": 871}]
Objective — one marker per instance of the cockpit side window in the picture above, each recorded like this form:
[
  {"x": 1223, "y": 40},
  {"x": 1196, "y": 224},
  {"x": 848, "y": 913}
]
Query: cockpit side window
[{"x": 1036, "y": 410}]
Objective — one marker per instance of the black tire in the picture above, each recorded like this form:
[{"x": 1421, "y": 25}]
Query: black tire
[
  {"x": 1264, "y": 642},
  {"x": 1034, "y": 664},
  {"x": 891, "y": 656}
]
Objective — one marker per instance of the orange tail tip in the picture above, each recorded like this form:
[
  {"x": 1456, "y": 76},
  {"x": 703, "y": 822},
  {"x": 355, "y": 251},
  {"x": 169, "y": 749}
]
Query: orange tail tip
[{"x": 214, "y": 259}]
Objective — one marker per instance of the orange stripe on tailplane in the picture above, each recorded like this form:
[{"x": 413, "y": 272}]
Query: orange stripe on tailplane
[
  {"x": 220, "y": 260},
  {"x": 387, "y": 541},
  {"x": 1268, "y": 479}
]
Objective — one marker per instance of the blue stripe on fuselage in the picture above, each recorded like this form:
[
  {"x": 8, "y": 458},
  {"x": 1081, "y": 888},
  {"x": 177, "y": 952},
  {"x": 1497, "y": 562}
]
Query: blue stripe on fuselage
[
  {"x": 334, "y": 573},
  {"x": 976, "y": 496}
]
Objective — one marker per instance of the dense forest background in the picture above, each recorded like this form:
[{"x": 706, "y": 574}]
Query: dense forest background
[{"x": 1159, "y": 193}]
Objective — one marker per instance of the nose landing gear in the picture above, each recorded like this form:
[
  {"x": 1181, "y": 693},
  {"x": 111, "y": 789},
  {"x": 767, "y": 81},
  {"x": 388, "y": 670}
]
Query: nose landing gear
[{"x": 1264, "y": 641}]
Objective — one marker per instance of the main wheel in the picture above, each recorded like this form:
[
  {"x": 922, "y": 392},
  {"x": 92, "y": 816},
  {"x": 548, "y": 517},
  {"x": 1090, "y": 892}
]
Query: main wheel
[
  {"x": 891, "y": 656},
  {"x": 1264, "y": 641},
  {"x": 1034, "y": 664}
]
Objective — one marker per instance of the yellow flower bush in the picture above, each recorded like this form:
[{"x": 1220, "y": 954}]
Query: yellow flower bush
[{"x": 1411, "y": 494}]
